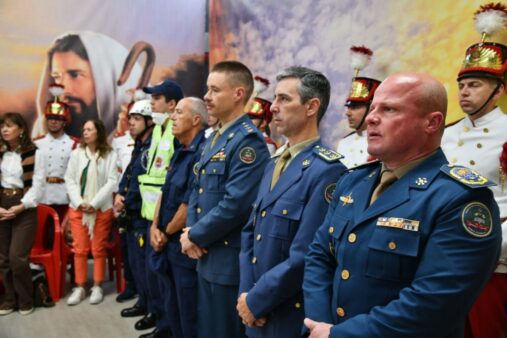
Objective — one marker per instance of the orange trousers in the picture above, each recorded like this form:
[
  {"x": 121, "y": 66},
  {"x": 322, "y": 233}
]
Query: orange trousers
[{"x": 82, "y": 244}]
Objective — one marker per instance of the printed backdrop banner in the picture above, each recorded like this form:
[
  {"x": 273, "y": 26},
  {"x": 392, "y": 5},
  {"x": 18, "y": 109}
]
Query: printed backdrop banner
[
  {"x": 422, "y": 36},
  {"x": 100, "y": 51}
]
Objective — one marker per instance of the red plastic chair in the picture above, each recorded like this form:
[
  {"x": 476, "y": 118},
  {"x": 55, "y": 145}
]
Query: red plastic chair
[
  {"x": 114, "y": 259},
  {"x": 49, "y": 258}
]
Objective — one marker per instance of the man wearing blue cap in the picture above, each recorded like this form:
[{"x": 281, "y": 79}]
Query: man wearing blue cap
[{"x": 164, "y": 98}]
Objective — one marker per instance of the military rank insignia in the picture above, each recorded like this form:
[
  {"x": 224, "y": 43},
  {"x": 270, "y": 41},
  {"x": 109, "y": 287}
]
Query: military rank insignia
[
  {"x": 327, "y": 154},
  {"x": 329, "y": 191},
  {"x": 476, "y": 219},
  {"x": 347, "y": 199},
  {"x": 247, "y": 155},
  {"x": 466, "y": 176},
  {"x": 219, "y": 157}
]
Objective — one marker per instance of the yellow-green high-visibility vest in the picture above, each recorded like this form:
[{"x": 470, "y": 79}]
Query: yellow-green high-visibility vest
[{"x": 159, "y": 156}]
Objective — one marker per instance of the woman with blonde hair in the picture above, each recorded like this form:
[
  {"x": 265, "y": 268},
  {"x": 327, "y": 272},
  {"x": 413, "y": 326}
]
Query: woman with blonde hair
[
  {"x": 22, "y": 183},
  {"x": 91, "y": 178}
]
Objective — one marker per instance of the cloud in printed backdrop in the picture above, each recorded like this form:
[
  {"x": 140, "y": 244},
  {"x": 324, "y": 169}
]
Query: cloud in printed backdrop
[{"x": 418, "y": 35}]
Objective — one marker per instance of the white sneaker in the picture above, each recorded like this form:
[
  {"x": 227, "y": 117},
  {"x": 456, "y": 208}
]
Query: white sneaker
[
  {"x": 26, "y": 311},
  {"x": 5, "y": 310},
  {"x": 97, "y": 295},
  {"x": 78, "y": 294}
]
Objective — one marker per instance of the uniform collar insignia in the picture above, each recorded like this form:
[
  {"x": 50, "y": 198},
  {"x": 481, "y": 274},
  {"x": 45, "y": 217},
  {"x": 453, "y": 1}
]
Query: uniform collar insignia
[{"x": 347, "y": 199}]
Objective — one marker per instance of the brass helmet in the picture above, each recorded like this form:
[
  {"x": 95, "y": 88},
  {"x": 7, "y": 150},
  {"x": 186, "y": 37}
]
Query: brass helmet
[{"x": 55, "y": 108}]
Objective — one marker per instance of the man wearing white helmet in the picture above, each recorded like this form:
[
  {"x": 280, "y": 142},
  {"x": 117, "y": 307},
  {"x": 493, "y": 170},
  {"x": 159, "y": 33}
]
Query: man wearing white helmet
[{"x": 128, "y": 201}]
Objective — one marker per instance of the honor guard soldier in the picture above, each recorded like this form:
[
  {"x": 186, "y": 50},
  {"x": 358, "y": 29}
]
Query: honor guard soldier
[
  {"x": 260, "y": 113},
  {"x": 227, "y": 180},
  {"x": 476, "y": 141},
  {"x": 297, "y": 186},
  {"x": 175, "y": 269},
  {"x": 56, "y": 147},
  {"x": 408, "y": 242},
  {"x": 353, "y": 146},
  {"x": 128, "y": 202}
]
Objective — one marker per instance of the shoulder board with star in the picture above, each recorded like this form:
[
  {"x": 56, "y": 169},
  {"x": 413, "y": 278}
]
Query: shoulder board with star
[
  {"x": 246, "y": 128},
  {"x": 466, "y": 176},
  {"x": 453, "y": 123},
  {"x": 326, "y": 154}
]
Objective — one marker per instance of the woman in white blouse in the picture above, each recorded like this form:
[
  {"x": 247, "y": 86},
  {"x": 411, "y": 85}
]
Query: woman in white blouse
[
  {"x": 91, "y": 178},
  {"x": 22, "y": 181}
]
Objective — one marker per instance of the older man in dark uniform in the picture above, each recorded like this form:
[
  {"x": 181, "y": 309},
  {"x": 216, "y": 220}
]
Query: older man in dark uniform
[
  {"x": 296, "y": 187},
  {"x": 408, "y": 242}
]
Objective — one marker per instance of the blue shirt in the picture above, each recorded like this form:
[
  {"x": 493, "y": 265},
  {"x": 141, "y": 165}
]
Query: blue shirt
[
  {"x": 281, "y": 227},
  {"x": 227, "y": 181},
  {"x": 176, "y": 190},
  {"x": 410, "y": 264}
]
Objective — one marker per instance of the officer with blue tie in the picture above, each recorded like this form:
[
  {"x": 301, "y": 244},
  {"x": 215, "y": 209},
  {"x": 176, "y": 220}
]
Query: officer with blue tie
[
  {"x": 408, "y": 242},
  {"x": 296, "y": 187},
  {"x": 227, "y": 180}
]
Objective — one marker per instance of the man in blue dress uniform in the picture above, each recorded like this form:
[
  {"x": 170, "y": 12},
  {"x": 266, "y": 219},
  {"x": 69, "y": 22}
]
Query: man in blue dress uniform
[
  {"x": 296, "y": 187},
  {"x": 226, "y": 183},
  {"x": 408, "y": 242},
  {"x": 176, "y": 270}
]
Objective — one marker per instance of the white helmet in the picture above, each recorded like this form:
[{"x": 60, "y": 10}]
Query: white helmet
[{"x": 141, "y": 107}]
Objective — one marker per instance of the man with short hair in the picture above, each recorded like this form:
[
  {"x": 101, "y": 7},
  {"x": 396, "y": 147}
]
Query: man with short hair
[
  {"x": 408, "y": 242},
  {"x": 176, "y": 270},
  {"x": 226, "y": 183},
  {"x": 297, "y": 185},
  {"x": 476, "y": 141}
]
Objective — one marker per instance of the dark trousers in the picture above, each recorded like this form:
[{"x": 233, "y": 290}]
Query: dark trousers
[
  {"x": 216, "y": 311},
  {"x": 178, "y": 284},
  {"x": 155, "y": 288},
  {"x": 136, "y": 242},
  {"x": 16, "y": 239},
  {"x": 127, "y": 272},
  {"x": 182, "y": 305}
]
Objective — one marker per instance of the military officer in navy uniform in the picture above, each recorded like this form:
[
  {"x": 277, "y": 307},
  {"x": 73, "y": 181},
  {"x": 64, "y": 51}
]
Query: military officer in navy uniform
[
  {"x": 176, "y": 270},
  {"x": 296, "y": 187},
  {"x": 227, "y": 180},
  {"x": 409, "y": 242},
  {"x": 128, "y": 200}
]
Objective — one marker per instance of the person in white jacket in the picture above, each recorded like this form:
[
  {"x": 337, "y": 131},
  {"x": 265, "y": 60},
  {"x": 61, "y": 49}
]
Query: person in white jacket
[{"x": 91, "y": 178}]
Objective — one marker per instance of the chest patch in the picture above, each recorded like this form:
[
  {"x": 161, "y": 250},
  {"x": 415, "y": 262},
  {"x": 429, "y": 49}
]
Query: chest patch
[{"x": 247, "y": 155}]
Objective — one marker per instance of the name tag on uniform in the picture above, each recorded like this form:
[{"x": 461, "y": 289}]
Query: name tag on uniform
[{"x": 399, "y": 223}]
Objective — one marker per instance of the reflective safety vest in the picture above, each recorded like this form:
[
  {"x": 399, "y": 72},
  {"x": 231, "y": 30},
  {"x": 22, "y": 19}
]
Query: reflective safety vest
[{"x": 159, "y": 156}]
